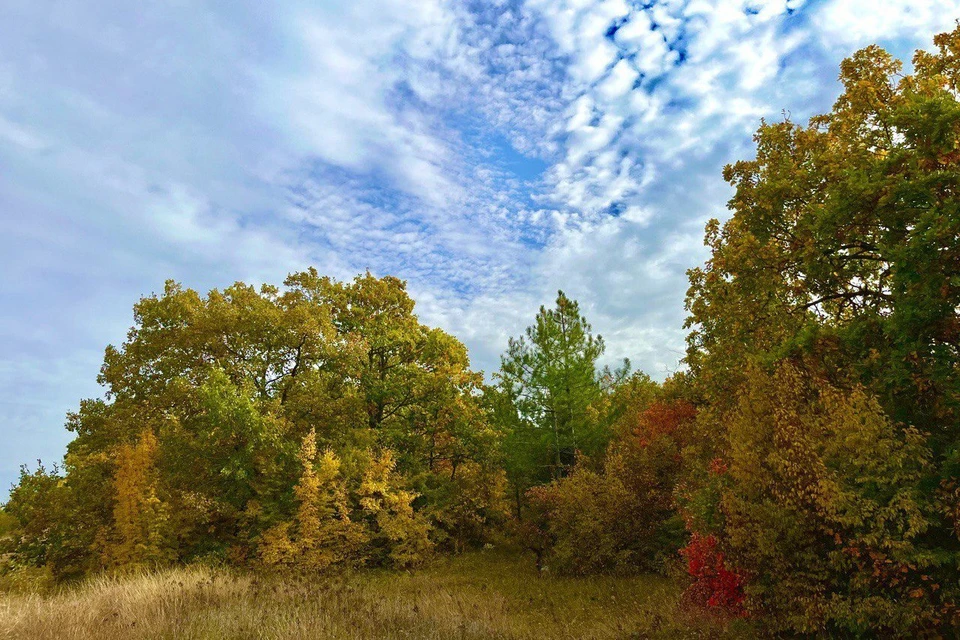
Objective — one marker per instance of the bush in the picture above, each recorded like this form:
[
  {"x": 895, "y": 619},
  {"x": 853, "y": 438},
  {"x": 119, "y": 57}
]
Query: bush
[
  {"x": 467, "y": 505},
  {"x": 822, "y": 507},
  {"x": 714, "y": 585},
  {"x": 623, "y": 517}
]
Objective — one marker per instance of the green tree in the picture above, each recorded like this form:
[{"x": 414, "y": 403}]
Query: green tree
[
  {"x": 49, "y": 529},
  {"x": 548, "y": 390}
]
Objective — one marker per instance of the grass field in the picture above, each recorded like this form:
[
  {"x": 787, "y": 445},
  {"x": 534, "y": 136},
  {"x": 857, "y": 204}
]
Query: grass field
[{"x": 478, "y": 595}]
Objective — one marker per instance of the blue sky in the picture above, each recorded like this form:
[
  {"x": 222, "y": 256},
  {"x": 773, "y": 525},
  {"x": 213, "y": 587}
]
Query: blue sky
[{"x": 488, "y": 152}]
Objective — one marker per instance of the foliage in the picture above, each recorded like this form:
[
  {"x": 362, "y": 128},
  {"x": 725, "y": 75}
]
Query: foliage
[
  {"x": 399, "y": 534},
  {"x": 141, "y": 520},
  {"x": 713, "y": 584},
  {"x": 48, "y": 532},
  {"x": 823, "y": 509},
  {"x": 469, "y": 507},
  {"x": 622, "y": 517},
  {"x": 834, "y": 487},
  {"x": 548, "y": 396}
]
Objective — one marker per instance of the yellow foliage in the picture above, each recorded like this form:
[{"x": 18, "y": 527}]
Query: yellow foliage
[
  {"x": 822, "y": 505},
  {"x": 401, "y": 532},
  {"x": 141, "y": 520},
  {"x": 322, "y": 534}
]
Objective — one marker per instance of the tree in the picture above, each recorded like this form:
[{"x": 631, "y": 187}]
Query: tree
[
  {"x": 823, "y": 509},
  {"x": 548, "y": 386},
  {"x": 322, "y": 535},
  {"x": 844, "y": 243},
  {"x": 141, "y": 520},
  {"x": 468, "y": 507},
  {"x": 49, "y": 531},
  {"x": 621, "y": 517},
  {"x": 842, "y": 253},
  {"x": 411, "y": 381}
]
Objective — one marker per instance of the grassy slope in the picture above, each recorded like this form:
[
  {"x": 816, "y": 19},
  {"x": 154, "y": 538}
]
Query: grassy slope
[{"x": 479, "y": 595}]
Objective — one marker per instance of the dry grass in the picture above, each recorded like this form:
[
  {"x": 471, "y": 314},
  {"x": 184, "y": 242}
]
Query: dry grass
[{"x": 481, "y": 595}]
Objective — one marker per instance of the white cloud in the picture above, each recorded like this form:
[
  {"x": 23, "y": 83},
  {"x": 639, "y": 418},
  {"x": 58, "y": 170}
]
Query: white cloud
[
  {"x": 708, "y": 71},
  {"x": 843, "y": 24},
  {"x": 336, "y": 105}
]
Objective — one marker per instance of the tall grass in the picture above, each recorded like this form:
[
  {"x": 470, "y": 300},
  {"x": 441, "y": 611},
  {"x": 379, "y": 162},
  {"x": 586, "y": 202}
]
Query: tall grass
[{"x": 481, "y": 595}]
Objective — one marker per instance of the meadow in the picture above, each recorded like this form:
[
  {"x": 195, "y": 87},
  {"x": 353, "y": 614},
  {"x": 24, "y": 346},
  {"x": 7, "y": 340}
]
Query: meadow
[{"x": 483, "y": 594}]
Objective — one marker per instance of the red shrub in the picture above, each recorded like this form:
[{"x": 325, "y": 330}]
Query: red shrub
[{"x": 714, "y": 586}]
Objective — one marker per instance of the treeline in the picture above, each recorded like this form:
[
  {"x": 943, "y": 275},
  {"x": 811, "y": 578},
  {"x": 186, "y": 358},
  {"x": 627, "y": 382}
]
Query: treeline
[{"x": 804, "y": 467}]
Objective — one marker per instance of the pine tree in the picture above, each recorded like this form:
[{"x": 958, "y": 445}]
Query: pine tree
[{"x": 549, "y": 380}]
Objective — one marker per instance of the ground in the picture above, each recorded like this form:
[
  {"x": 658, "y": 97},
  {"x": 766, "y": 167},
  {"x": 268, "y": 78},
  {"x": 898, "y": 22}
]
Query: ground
[{"x": 477, "y": 595}]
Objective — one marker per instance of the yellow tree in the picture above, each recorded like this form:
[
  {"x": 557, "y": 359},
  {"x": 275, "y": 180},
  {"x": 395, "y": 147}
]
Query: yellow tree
[
  {"x": 141, "y": 520},
  {"x": 822, "y": 507},
  {"x": 842, "y": 252},
  {"x": 400, "y": 535},
  {"x": 321, "y": 535}
]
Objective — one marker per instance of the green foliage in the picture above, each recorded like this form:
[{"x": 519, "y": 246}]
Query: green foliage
[
  {"x": 49, "y": 531},
  {"x": 550, "y": 394},
  {"x": 8, "y": 524}
]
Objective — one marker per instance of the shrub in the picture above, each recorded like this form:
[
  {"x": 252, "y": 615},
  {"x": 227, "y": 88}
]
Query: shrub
[
  {"x": 714, "y": 585},
  {"x": 467, "y": 506},
  {"x": 822, "y": 507},
  {"x": 623, "y": 517}
]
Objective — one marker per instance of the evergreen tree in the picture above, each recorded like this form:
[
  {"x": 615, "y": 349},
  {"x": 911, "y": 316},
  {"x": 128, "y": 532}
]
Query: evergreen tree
[{"x": 548, "y": 390}]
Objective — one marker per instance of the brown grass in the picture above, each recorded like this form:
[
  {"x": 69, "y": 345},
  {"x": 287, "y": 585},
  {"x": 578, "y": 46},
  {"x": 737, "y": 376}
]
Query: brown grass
[{"x": 479, "y": 595}]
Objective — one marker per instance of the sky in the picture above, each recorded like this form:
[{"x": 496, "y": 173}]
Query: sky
[{"x": 489, "y": 153}]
